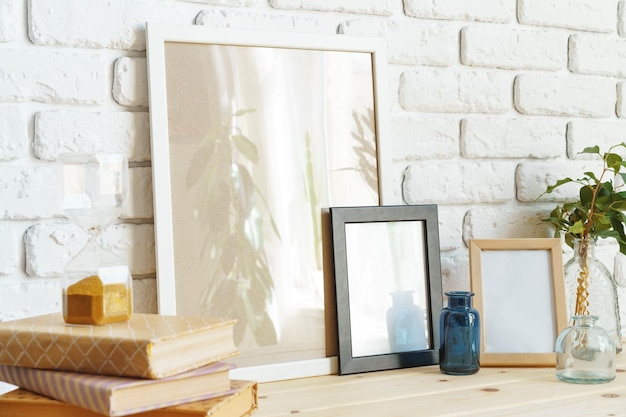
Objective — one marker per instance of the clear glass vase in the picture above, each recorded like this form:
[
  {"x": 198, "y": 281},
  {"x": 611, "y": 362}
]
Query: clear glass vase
[
  {"x": 591, "y": 289},
  {"x": 585, "y": 353},
  {"x": 459, "y": 349},
  {"x": 405, "y": 323}
]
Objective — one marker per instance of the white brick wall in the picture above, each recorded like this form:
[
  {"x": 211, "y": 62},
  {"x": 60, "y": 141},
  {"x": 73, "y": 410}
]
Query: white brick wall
[
  {"x": 244, "y": 19},
  {"x": 8, "y": 21},
  {"x": 116, "y": 24},
  {"x": 432, "y": 43},
  {"x": 595, "y": 54},
  {"x": 377, "y": 7},
  {"x": 570, "y": 95},
  {"x": 459, "y": 182},
  {"x": 584, "y": 15},
  {"x": 511, "y": 138},
  {"x": 59, "y": 131},
  {"x": 449, "y": 91},
  {"x": 8, "y": 251},
  {"x": 501, "y": 11},
  {"x": 13, "y": 133},
  {"x": 23, "y": 78},
  {"x": 130, "y": 86},
  {"x": 503, "y": 47},
  {"x": 490, "y": 102}
]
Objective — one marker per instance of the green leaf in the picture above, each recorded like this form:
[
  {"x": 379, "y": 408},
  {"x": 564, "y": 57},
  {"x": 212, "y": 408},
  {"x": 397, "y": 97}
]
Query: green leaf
[
  {"x": 264, "y": 330},
  {"x": 613, "y": 161},
  {"x": 253, "y": 229},
  {"x": 619, "y": 205},
  {"x": 243, "y": 191},
  {"x": 551, "y": 188},
  {"x": 244, "y": 111},
  {"x": 198, "y": 163},
  {"x": 230, "y": 252},
  {"x": 258, "y": 318},
  {"x": 247, "y": 148},
  {"x": 577, "y": 228},
  {"x": 606, "y": 188},
  {"x": 586, "y": 196},
  {"x": 592, "y": 176},
  {"x": 592, "y": 149},
  {"x": 622, "y": 247},
  {"x": 272, "y": 222},
  {"x": 603, "y": 202},
  {"x": 618, "y": 226}
]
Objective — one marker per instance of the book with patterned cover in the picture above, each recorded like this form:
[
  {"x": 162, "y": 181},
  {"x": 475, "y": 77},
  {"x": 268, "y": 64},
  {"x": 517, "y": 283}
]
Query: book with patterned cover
[
  {"x": 120, "y": 396},
  {"x": 147, "y": 346}
]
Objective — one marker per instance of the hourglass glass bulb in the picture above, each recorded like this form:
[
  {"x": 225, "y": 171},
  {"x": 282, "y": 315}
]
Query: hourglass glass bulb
[
  {"x": 97, "y": 283},
  {"x": 94, "y": 187}
]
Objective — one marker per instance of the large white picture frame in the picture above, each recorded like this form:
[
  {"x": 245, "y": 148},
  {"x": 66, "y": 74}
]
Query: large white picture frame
[{"x": 209, "y": 87}]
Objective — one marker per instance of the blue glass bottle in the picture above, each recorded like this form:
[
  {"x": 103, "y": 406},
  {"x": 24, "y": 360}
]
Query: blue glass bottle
[{"x": 459, "y": 323}]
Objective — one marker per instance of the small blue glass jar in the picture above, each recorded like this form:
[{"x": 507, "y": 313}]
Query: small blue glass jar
[{"x": 459, "y": 330}]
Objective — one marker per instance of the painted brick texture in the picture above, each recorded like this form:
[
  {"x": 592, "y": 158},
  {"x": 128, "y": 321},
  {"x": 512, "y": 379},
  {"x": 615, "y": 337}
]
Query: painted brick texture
[
  {"x": 502, "y": 11},
  {"x": 59, "y": 131},
  {"x": 448, "y": 91},
  {"x": 584, "y": 15},
  {"x": 115, "y": 24},
  {"x": 8, "y": 20},
  {"x": 489, "y": 102},
  {"x": 24, "y": 78},
  {"x": 502, "y": 47}
]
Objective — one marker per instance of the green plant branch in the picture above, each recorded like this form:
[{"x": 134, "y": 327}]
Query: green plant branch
[
  {"x": 597, "y": 213},
  {"x": 589, "y": 222}
]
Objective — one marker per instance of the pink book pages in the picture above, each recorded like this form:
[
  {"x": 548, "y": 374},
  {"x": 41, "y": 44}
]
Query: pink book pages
[{"x": 119, "y": 396}]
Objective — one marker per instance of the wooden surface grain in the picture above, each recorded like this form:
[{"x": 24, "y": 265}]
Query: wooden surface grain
[{"x": 424, "y": 391}]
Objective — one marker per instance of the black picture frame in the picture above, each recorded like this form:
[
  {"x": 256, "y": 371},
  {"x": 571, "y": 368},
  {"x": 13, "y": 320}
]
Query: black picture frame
[{"x": 403, "y": 232}]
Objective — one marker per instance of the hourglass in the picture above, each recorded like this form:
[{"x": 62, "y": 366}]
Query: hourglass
[{"x": 96, "y": 282}]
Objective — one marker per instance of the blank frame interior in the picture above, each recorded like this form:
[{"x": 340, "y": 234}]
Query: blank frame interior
[{"x": 520, "y": 295}]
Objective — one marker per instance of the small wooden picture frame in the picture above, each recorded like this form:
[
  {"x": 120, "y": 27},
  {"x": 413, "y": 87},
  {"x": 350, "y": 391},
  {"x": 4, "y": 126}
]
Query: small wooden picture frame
[{"x": 520, "y": 295}]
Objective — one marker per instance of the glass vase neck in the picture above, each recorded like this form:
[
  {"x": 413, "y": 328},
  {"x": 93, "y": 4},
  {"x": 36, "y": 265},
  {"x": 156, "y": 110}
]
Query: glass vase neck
[
  {"x": 584, "y": 320},
  {"x": 459, "y": 299},
  {"x": 402, "y": 298},
  {"x": 583, "y": 248}
]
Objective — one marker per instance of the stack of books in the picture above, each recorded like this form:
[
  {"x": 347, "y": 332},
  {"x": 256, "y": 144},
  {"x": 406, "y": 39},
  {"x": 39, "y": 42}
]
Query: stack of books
[{"x": 153, "y": 365}]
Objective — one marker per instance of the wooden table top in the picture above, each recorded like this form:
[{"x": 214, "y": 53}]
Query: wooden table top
[{"x": 425, "y": 391}]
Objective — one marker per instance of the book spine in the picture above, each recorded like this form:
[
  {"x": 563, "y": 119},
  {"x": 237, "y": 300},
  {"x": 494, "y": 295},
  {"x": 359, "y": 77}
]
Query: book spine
[{"x": 68, "y": 387}]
